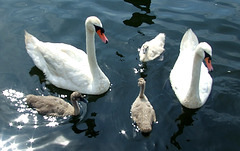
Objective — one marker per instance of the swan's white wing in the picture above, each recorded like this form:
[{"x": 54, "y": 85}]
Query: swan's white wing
[
  {"x": 68, "y": 67},
  {"x": 64, "y": 65},
  {"x": 180, "y": 76}
]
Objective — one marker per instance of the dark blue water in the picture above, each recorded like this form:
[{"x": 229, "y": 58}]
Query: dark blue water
[{"x": 107, "y": 124}]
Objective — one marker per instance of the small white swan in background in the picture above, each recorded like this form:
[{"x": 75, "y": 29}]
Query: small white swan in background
[
  {"x": 54, "y": 106},
  {"x": 68, "y": 67},
  {"x": 189, "y": 77},
  {"x": 152, "y": 49},
  {"x": 142, "y": 111}
]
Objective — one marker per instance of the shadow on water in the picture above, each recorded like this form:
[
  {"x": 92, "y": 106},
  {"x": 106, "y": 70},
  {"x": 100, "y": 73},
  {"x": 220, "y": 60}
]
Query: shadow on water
[
  {"x": 39, "y": 73},
  {"x": 53, "y": 89},
  {"x": 89, "y": 131},
  {"x": 185, "y": 119},
  {"x": 144, "y": 69},
  {"x": 144, "y": 5},
  {"x": 44, "y": 82},
  {"x": 138, "y": 18},
  {"x": 90, "y": 122},
  {"x": 141, "y": 69}
]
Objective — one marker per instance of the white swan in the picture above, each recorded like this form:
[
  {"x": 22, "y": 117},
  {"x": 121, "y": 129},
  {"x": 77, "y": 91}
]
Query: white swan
[
  {"x": 152, "y": 49},
  {"x": 54, "y": 106},
  {"x": 142, "y": 111},
  {"x": 189, "y": 77},
  {"x": 68, "y": 67}
]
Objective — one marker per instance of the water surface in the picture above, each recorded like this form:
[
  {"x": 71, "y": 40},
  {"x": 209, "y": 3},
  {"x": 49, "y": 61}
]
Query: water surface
[{"x": 107, "y": 124}]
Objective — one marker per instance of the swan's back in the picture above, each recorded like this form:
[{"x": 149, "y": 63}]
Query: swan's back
[
  {"x": 143, "y": 114},
  {"x": 142, "y": 111},
  {"x": 49, "y": 105}
]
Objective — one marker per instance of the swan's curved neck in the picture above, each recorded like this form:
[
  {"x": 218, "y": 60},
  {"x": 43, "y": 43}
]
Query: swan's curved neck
[
  {"x": 142, "y": 89},
  {"x": 90, "y": 47},
  {"x": 76, "y": 107},
  {"x": 193, "y": 93}
]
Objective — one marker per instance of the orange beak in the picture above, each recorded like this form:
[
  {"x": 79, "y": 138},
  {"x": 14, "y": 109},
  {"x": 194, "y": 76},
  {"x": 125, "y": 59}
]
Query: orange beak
[
  {"x": 102, "y": 36},
  {"x": 209, "y": 64}
]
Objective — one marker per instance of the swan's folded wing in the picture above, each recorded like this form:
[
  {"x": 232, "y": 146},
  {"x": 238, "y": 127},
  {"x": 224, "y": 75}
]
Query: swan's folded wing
[
  {"x": 180, "y": 75},
  {"x": 64, "y": 65},
  {"x": 69, "y": 69}
]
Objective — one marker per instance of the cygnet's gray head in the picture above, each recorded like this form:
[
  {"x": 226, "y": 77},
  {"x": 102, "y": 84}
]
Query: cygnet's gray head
[
  {"x": 141, "y": 81},
  {"x": 76, "y": 96}
]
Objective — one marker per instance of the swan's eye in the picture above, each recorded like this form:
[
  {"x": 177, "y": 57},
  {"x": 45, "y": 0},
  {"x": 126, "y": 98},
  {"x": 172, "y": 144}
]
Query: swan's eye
[{"x": 97, "y": 28}]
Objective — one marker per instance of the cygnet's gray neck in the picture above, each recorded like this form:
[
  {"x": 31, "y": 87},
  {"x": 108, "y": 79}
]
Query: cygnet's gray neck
[
  {"x": 76, "y": 108},
  {"x": 142, "y": 89}
]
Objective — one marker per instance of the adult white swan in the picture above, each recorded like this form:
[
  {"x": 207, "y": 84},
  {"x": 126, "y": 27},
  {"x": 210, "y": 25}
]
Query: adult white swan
[
  {"x": 189, "y": 77},
  {"x": 68, "y": 67}
]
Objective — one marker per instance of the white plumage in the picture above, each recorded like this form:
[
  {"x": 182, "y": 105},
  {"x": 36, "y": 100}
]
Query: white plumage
[
  {"x": 68, "y": 67},
  {"x": 189, "y": 77},
  {"x": 152, "y": 49}
]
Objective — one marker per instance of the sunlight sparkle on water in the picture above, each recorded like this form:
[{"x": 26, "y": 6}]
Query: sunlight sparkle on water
[
  {"x": 52, "y": 124},
  {"x": 13, "y": 94},
  {"x": 19, "y": 126},
  {"x": 23, "y": 118},
  {"x": 9, "y": 144},
  {"x": 11, "y": 124},
  {"x": 123, "y": 132},
  {"x": 31, "y": 140},
  {"x": 61, "y": 140},
  {"x": 52, "y": 120},
  {"x": 35, "y": 126},
  {"x": 29, "y": 149}
]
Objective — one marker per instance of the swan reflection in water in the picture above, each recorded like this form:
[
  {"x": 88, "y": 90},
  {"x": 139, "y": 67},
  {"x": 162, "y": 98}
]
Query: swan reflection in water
[
  {"x": 138, "y": 18},
  {"x": 89, "y": 131},
  {"x": 185, "y": 119}
]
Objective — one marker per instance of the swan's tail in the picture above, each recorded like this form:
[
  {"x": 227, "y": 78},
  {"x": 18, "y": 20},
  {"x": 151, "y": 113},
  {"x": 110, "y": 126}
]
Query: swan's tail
[
  {"x": 161, "y": 37},
  {"x": 33, "y": 46},
  {"x": 189, "y": 41},
  {"x": 30, "y": 41}
]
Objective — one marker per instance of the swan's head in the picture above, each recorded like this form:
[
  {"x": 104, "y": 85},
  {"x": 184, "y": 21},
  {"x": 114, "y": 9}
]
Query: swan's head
[
  {"x": 207, "y": 55},
  {"x": 76, "y": 96},
  {"x": 93, "y": 24},
  {"x": 143, "y": 53},
  {"x": 141, "y": 82}
]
